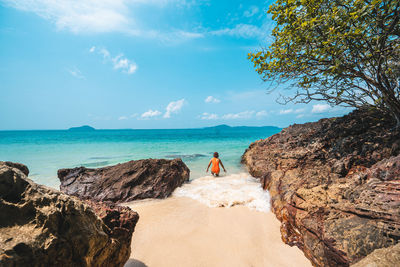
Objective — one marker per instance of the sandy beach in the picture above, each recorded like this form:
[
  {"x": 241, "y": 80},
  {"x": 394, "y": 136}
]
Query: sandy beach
[{"x": 179, "y": 231}]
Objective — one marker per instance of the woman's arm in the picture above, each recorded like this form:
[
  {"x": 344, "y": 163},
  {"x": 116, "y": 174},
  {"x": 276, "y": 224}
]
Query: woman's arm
[
  {"x": 208, "y": 165},
  {"x": 220, "y": 161}
]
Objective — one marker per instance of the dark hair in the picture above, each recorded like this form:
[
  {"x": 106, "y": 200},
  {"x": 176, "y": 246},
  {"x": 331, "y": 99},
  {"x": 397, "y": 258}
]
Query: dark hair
[{"x": 216, "y": 155}]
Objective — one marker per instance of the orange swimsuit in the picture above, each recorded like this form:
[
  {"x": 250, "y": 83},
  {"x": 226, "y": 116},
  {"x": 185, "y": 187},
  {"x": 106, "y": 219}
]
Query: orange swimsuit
[{"x": 215, "y": 165}]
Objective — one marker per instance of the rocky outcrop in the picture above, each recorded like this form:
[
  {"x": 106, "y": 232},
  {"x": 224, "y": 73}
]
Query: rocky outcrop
[
  {"x": 120, "y": 222},
  {"x": 40, "y": 226},
  {"x": 384, "y": 257},
  {"x": 148, "y": 178},
  {"x": 17, "y": 165},
  {"x": 334, "y": 185}
]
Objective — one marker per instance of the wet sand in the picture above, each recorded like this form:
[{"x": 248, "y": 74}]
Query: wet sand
[{"x": 179, "y": 231}]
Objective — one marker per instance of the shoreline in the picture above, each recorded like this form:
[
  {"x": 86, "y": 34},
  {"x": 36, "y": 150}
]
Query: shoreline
[{"x": 179, "y": 231}]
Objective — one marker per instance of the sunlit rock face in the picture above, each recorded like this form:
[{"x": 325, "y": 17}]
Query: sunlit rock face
[
  {"x": 334, "y": 185},
  {"x": 40, "y": 226}
]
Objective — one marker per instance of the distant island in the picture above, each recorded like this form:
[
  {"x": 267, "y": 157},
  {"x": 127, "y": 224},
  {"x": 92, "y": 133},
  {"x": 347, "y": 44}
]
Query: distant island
[
  {"x": 221, "y": 127},
  {"x": 83, "y": 128}
]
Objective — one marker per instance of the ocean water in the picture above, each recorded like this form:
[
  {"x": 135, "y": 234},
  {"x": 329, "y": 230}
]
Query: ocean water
[
  {"x": 227, "y": 191},
  {"x": 44, "y": 152}
]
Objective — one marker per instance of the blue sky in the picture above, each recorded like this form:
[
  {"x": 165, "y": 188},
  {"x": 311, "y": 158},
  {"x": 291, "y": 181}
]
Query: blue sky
[{"x": 138, "y": 64}]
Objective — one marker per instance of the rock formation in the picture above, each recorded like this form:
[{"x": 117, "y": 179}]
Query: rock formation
[
  {"x": 334, "y": 185},
  {"x": 383, "y": 257},
  {"x": 148, "y": 178},
  {"x": 40, "y": 226},
  {"x": 17, "y": 165}
]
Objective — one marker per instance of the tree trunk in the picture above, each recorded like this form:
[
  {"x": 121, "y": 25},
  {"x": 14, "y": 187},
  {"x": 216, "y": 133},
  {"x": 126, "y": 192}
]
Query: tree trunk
[
  {"x": 395, "y": 110},
  {"x": 392, "y": 104},
  {"x": 397, "y": 117}
]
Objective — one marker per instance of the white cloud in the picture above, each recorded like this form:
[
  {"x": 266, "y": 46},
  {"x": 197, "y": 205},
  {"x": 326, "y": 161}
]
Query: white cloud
[
  {"x": 123, "y": 16},
  {"x": 79, "y": 16},
  {"x": 319, "y": 108},
  {"x": 104, "y": 52},
  {"x": 76, "y": 73},
  {"x": 242, "y": 31},
  {"x": 251, "y": 11},
  {"x": 209, "y": 116},
  {"x": 211, "y": 99},
  {"x": 290, "y": 111},
  {"x": 150, "y": 114},
  {"x": 182, "y": 35},
  {"x": 248, "y": 31},
  {"x": 102, "y": 16},
  {"x": 119, "y": 62},
  {"x": 285, "y": 111},
  {"x": 168, "y": 37},
  {"x": 134, "y": 115},
  {"x": 240, "y": 115},
  {"x": 262, "y": 113},
  {"x": 299, "y": 110},
  {"x": 132, "y": 68},
  {"x": 174, "y": 107},
  {"x": 300, "y": 116}
]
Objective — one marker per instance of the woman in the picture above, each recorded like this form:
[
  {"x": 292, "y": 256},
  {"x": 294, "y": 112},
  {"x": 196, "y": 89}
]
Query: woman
[{"x": 215, "y": 161}]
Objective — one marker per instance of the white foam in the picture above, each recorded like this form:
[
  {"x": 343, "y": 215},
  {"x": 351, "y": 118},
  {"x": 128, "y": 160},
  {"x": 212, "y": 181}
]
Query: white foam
[{"x": 227, "y": 191}]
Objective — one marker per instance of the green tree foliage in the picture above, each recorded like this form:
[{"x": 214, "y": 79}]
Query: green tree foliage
[{"x": 345, "y": 52}]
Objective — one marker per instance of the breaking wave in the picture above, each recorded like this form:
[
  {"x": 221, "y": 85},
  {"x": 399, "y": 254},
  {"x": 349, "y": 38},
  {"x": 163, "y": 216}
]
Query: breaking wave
[{"x": 227, "y": 191}]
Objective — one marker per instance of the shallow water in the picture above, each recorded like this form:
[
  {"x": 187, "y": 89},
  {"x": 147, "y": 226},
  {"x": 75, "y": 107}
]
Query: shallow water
[
  {"x": 44, "y": 152},
  {"x": 227, "y": 191}
]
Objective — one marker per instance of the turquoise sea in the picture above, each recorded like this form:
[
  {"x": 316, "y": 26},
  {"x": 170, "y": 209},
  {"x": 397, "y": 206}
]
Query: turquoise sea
[{"x": 46, "y": 151}]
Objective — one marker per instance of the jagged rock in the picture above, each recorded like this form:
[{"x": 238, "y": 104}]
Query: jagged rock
[
  {"x": 148, "y": 178},
  {"x": 120, "y": 222},
  {"x": 17, "y": 165},
  {"x": 40, "y": 226},
  {"x": 384, "y": 257},
  {"x": 334, "y": 185}
]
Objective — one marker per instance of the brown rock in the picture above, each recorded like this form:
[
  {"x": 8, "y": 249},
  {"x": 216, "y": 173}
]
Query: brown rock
[
  {"x": 40, "y": 226},
  {"x": 120, "y": 222},
  {"x": 384, "y": 257},
  {"x": 148, "y": 178},
  {"x": 334, "y": 185},
  {"x": 17, "y": 165}
]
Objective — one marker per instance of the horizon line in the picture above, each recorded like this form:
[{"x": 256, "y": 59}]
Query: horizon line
[{"x": 101, "y": 129}]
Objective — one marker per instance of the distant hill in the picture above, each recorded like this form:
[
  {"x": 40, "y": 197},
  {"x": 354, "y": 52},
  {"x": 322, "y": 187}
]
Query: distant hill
[
  {"x": 84, "y": 128},
  {"x": 219, "y": 127}
]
